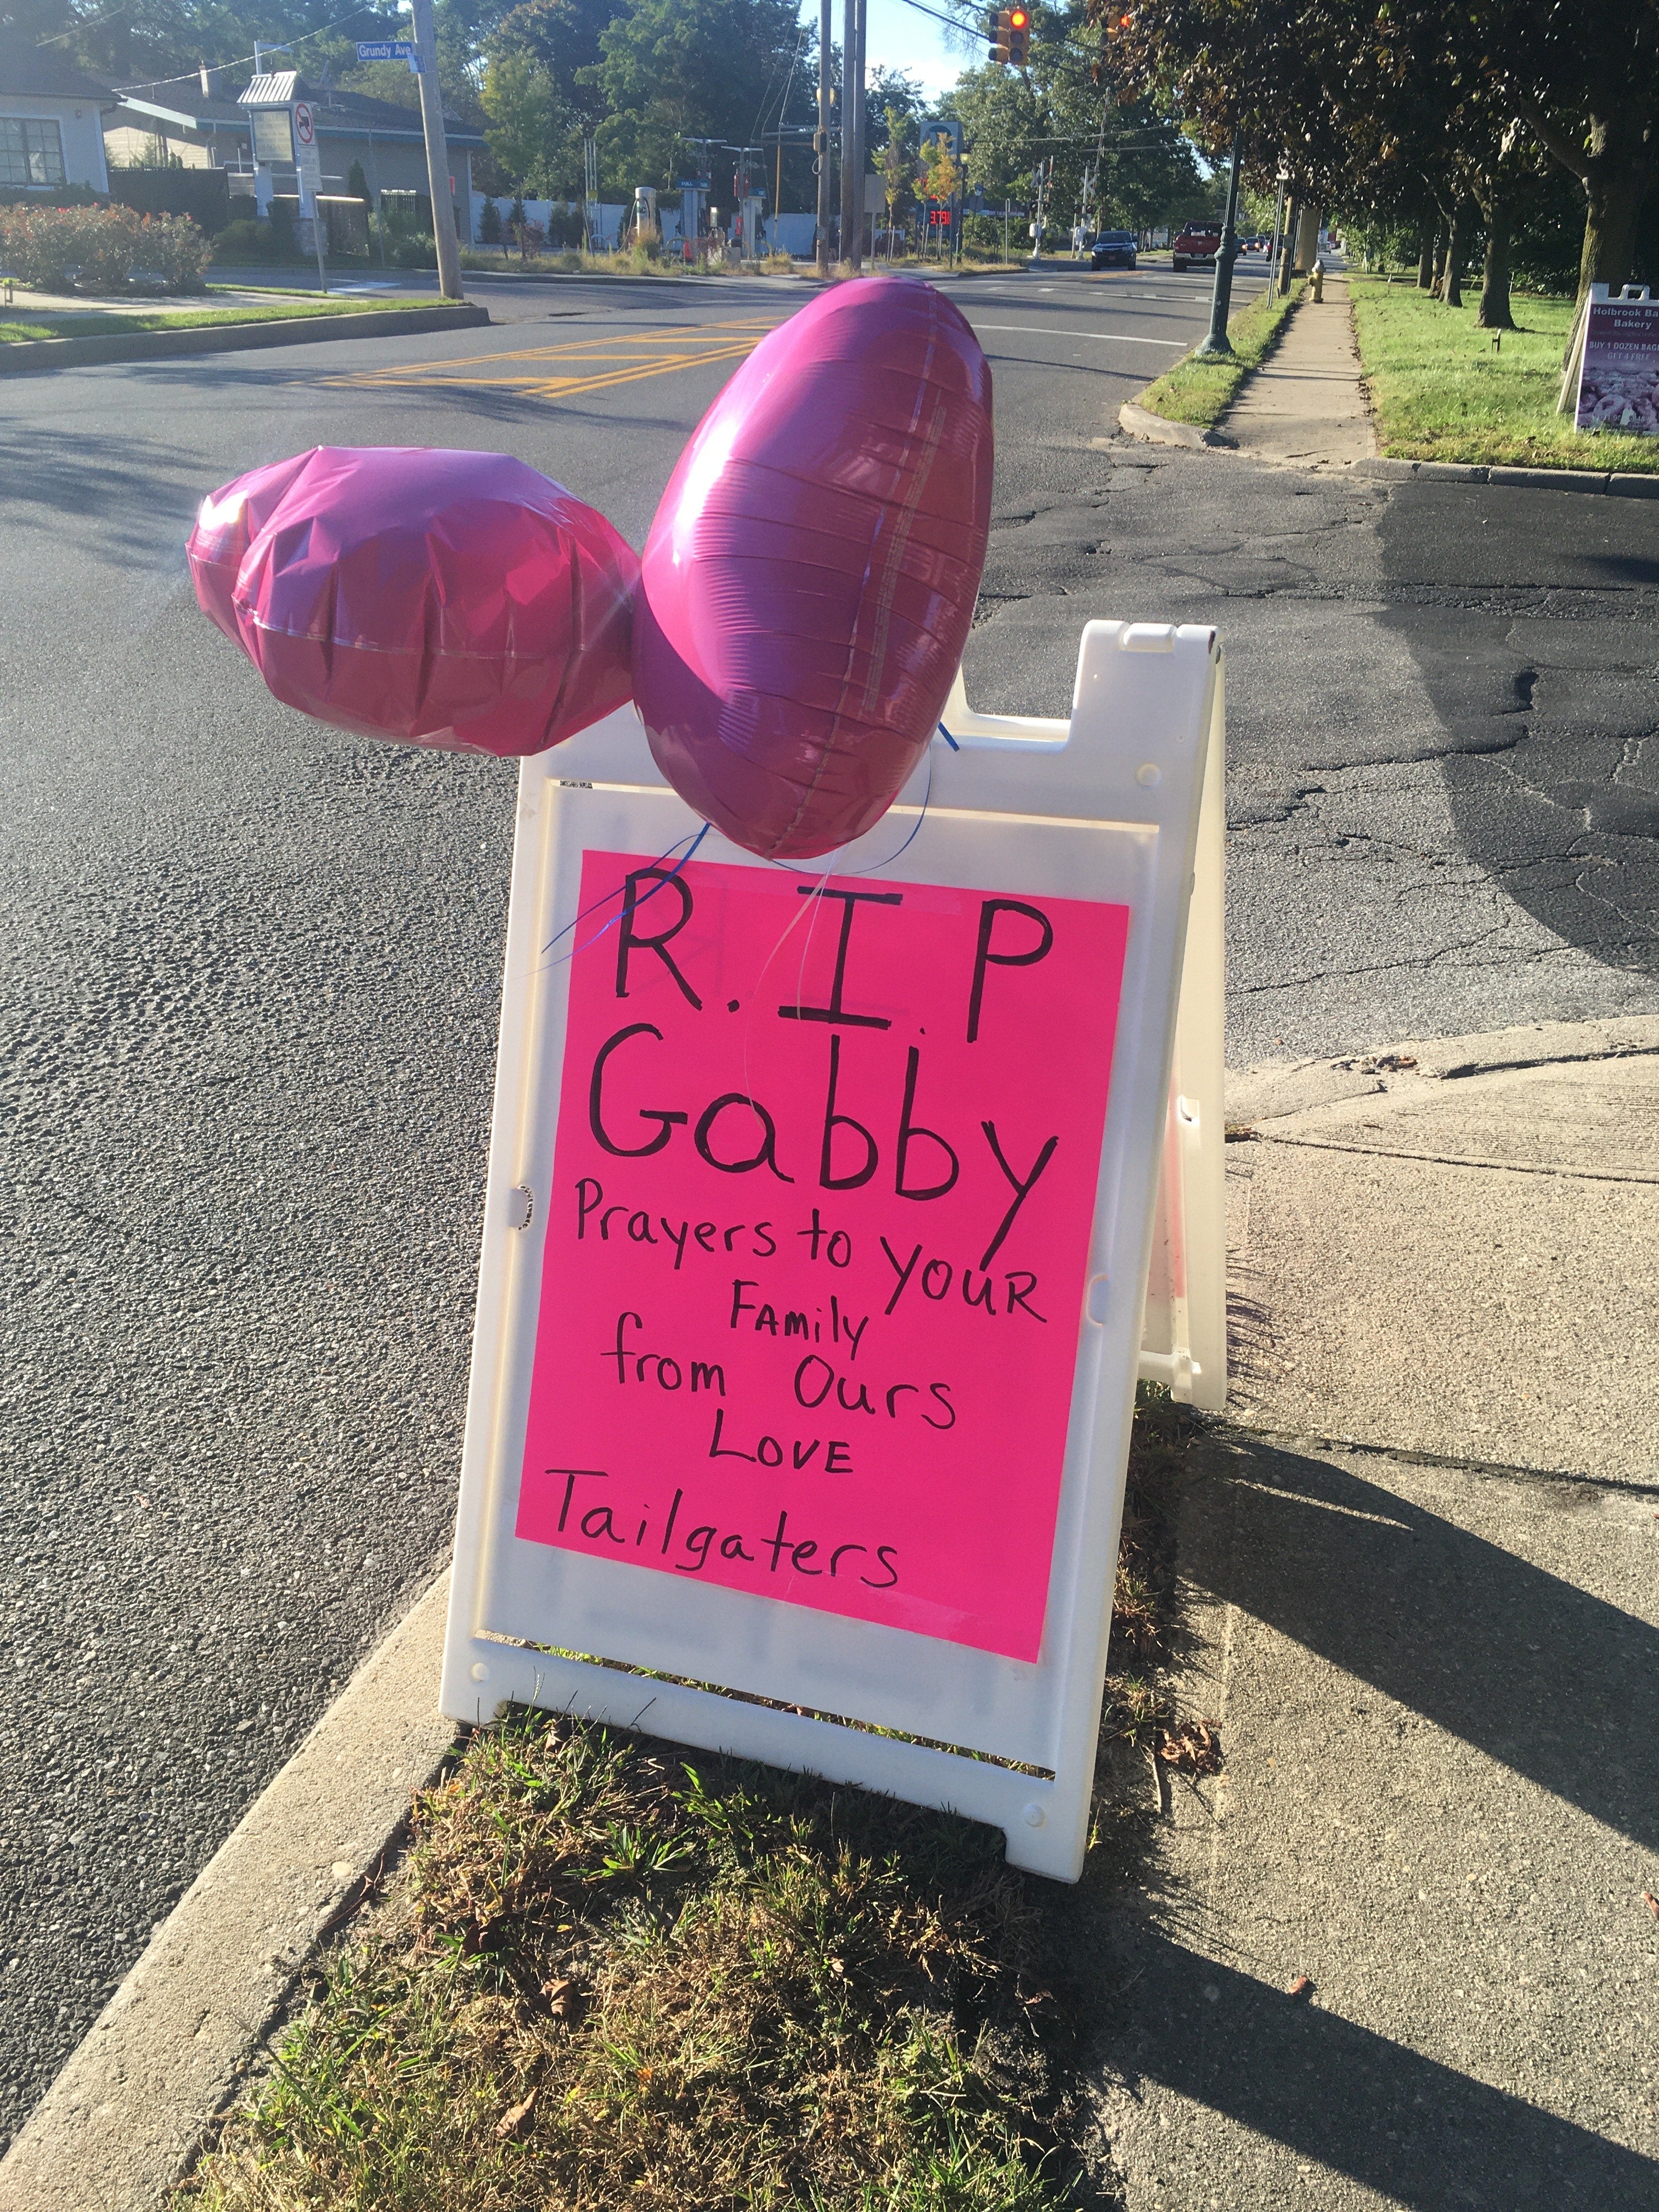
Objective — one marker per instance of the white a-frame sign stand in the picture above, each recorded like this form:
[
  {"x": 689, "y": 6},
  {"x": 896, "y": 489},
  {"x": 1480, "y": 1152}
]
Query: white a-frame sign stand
[{"x": 832, "y": 1216}]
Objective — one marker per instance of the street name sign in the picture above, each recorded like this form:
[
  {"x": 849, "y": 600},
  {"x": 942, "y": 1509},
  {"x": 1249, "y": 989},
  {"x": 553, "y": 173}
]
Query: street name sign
[
  {"x": 818, "y": 1262},
  {"x": 390, "y": 50}
]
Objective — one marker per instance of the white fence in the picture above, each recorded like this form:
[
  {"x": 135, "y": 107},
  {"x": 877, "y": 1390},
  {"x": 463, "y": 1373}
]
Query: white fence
[{"x": 787, "y": 233}]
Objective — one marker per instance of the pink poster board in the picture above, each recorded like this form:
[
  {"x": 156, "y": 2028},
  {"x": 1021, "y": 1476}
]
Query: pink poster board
[{"x": 817, "y": 1244}]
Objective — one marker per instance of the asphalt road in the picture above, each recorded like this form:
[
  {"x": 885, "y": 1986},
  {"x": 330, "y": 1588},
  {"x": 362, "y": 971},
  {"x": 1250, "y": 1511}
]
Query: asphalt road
[
  {"x": 250, "y": 975},
  {"x": 250, "y": 966}
]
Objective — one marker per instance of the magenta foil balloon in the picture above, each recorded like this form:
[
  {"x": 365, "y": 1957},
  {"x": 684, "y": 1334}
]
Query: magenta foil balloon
[
  {"x": 454, "y": 600},
  {"x": 226, "y": 523},
  {"x": 810, "y": 578}
]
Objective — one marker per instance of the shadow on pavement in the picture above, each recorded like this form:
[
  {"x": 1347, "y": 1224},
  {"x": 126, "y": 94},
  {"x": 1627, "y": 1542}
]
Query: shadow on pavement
[
  {"x": 1530, "y": 1669},
  {"x": 1419, "y": 2134},
  {"x": 1502, "y": 593}
]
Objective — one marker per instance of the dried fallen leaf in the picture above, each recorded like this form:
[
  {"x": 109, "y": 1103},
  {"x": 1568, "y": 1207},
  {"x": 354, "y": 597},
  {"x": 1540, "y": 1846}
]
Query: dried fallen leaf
[
  {"x": 560, "y": 1996},
  {"x": 1300, "y": 1987},
  {"x": 1651, "y": 1902},
  {"x": 511, "y": 2125},
  {"x": 1191, "y": 1749}
]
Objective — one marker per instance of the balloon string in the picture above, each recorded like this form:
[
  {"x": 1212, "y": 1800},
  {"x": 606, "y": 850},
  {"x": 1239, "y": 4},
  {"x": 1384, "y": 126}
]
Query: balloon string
[
  {"x": 616, "y": 892},
  {"x": 810, "y": 910}
]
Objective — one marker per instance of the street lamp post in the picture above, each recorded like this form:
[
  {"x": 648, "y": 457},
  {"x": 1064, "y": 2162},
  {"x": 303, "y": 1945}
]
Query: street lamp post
[
  {"x": 1226, "y": 254},
  {"x": 1282, "y": 180}
]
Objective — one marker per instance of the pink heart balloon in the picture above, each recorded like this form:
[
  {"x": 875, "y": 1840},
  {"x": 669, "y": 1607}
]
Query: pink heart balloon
[
  {"x": 447, "y": 598},
  {"x": 227, "y": 523},
  {"x": 809, "y": 581}
]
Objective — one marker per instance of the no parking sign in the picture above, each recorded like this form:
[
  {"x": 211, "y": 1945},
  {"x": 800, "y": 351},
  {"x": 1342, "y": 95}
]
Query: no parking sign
[{"x": 820, "y": 1211}]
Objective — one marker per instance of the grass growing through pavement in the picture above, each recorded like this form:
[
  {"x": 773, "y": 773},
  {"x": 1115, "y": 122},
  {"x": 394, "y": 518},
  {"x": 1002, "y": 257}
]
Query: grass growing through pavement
[
  {"x": 609, "y": 1975},
  {"x": 1440, "y": 393},
  {"x": 100, "y": 322},
  {"x": 1200, "y": 388}
]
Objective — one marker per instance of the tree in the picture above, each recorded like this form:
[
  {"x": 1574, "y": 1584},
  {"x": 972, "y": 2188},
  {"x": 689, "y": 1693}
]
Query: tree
[
  {"x": 940, "y": 179},
  {"x": 523, "y": 130},
  {"x": 674, "y": 71},
  {"x": 898, "y": 166},
  {"x": 889, "y": 93},
  {"x": 1129, "y": 159},
  {"x": 1584, "y": 79}
]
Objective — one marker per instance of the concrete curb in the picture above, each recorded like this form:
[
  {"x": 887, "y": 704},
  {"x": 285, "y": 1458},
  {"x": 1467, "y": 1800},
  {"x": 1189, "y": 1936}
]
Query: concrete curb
[
  {"x": 1141, "y": 422},
  {"x": 1275, "y": 1089},
  {"x": 1446, "y": 1250},
  {"x": 125, "y": 2117},
  {"x": 233, "y": 338},
  {"x": 1620, "y": 484}
]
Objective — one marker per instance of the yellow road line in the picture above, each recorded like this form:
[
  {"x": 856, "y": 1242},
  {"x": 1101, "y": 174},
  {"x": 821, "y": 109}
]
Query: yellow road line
[
  {"x": 541, "y": 388},
  {"x": 729, "y": 339}
]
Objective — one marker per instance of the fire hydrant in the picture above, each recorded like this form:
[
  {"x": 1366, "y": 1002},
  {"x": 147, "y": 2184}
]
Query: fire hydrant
[{"x": 1317, "y": 280}]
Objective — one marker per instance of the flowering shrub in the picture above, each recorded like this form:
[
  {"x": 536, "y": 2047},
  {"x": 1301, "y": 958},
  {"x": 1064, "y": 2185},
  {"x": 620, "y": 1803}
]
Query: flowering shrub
[{"x": 101, "y": 249}]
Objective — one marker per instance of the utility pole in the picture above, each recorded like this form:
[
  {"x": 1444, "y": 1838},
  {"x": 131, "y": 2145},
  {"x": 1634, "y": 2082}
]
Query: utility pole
[
  {"x": 1227, "y": 254},
  {"x": 853, "y": 98},
  {"x": 826, "y": 35},
  {"x": 437, "y": 152},
  {"x": 861, "y": 125}
]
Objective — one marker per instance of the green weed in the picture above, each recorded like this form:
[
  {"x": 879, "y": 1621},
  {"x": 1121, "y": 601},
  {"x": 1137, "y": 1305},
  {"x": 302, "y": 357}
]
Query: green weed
[{"x": 1201, "y": 387}]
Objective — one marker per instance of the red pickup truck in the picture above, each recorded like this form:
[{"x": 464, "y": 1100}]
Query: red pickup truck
[{"x": 1197, "y": 246}]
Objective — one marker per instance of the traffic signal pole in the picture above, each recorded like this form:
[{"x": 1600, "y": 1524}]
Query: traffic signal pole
[
  {"x": 437, "y": 152},
  {"x": 1221, "y": 297}
]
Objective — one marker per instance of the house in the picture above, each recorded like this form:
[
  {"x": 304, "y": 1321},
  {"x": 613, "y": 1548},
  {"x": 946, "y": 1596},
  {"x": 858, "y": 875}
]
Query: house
[
  {"x": 209, "y": 124},
  {"x": 51, "y": 119}
]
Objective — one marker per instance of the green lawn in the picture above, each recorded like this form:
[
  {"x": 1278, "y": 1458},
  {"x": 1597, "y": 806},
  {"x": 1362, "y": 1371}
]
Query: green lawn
[
  {"x": 1200, "y": 388},
  {"x": 1440, "y": 393},
  {"x": 614, "y": 1977},
  {"x": 76, "y": 323}
]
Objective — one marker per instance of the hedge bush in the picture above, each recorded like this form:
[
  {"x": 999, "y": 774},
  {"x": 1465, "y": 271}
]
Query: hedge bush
[{"x": 93, "y": 249}]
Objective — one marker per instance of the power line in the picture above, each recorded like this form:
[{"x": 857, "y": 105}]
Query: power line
[
  {"x": 108, "y": 16},
  {"x": 218, "y": 69}
]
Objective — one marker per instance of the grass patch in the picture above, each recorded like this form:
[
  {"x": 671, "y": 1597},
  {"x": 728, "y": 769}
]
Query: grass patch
[
  {"x": 1440, "y": 393},
  {"x": 1200, "y": 388},
  {"x": 609, "y": 1975},
  {"x": 101, "y": 322}
]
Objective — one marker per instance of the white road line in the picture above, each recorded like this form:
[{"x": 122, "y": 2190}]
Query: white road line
[{"x": 1119, "y": 338}]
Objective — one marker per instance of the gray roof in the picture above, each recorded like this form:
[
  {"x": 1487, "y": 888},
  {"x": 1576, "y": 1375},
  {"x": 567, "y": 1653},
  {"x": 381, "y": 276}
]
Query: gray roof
[
  {"x": 339, "y": 114},
  {"x": 45, "y": 72}
]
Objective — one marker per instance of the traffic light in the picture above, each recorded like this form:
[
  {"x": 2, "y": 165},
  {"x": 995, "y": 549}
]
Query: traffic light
[
  {"x": 1019, "y": 36},
  {"x": 1000, "y": 30}
]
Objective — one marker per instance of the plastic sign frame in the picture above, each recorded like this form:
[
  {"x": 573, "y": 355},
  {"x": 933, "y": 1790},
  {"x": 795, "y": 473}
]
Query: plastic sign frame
[{"x": 1109, "y": 809}]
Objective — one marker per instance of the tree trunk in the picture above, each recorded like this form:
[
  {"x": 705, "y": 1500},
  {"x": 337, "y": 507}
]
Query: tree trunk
[
  {"x": 1614, "y": 190},
  {"x": 1494, "y": 310},
  {"x": 1452, "y": 290},
  {"x": 1426, "y": 259}
]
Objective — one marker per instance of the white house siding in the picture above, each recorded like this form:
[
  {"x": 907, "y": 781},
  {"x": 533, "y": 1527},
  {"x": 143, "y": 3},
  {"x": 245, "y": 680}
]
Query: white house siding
[{"x": 80, "y": 126}]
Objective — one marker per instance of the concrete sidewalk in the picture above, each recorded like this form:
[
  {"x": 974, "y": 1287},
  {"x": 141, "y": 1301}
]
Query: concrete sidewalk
[
  {"x": 1403, "y": 1951},
  {"x": 1306, "y": 404}
]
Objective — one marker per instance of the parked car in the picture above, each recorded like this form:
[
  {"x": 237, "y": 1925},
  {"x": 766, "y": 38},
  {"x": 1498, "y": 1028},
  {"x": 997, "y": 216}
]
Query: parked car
[
  {"x": 1113, "y": 245},
  {"x": 1197, "y": 246}
]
